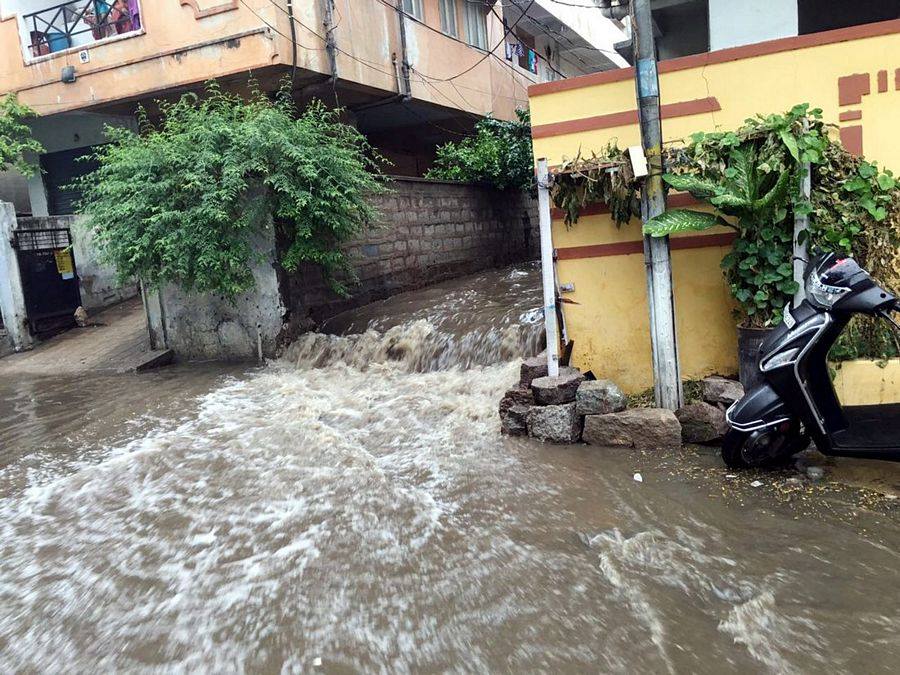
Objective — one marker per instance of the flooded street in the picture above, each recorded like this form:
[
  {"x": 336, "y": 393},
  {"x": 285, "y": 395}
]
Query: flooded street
[{"x": 354, "y": 508}]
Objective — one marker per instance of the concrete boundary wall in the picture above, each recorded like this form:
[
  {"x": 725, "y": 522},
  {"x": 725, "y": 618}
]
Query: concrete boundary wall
[
  {"x": 12, "y": 297},
  {"x": 429, "y": 231}
]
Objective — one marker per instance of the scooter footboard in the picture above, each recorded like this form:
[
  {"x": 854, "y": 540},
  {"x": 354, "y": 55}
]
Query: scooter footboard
[{"x": 761, "y": 407}]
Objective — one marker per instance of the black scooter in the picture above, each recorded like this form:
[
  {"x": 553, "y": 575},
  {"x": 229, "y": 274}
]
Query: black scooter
[{"x": 795, "y": 401}]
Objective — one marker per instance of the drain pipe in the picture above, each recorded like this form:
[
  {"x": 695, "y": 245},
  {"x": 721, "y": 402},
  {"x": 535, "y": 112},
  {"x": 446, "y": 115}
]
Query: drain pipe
[
  {"x": 548, "y": 276},
  {"x": 330, "y": 41},
  {"x": 406, "y": 89},
  {"x": 290, "y": 13}
]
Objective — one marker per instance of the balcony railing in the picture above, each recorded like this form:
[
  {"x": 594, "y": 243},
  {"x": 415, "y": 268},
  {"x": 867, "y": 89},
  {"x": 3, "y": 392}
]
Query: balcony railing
[{"x": 80, "y": 22}]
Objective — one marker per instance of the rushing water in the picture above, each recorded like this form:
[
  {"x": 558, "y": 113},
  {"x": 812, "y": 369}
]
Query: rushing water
[{"x": 353, "y": 507}]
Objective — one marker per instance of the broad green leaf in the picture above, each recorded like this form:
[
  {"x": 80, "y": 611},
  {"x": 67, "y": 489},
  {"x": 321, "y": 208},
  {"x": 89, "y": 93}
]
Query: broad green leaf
[
  {"x": 776, "y": 195},
  {"x": 730, "y": 202},
  {"x": 886, "y": 182},
  {"x": 742, "y": 162},
  {"x": 700, "y": 188},
  {"x": 680, "y": 220},
  {"x": 790, "y": 142}
]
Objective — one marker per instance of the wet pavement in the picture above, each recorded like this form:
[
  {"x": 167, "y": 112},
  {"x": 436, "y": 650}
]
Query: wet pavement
[{"x": 354, "y": 508}]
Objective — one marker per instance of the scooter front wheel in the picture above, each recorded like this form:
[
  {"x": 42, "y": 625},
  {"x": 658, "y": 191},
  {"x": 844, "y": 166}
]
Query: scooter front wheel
[{"x": 767, "y": 448}]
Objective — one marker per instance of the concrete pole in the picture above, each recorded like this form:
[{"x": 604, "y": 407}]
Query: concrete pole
[
  {"x": 801, "y": 224},
  {"x": 548, "y": 276},
  {"x": 666, "y": 369}
]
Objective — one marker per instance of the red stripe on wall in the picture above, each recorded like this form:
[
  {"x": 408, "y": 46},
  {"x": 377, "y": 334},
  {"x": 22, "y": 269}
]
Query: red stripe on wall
[
  {"x": 852, "y": 139},
  {"x": 635, "y": 247},
  {"x": 626, "y": 117}
]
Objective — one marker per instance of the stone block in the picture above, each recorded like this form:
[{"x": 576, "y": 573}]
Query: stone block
[
  {"x": 557, "y": 390},
  {"x": 721, "y": 390},
  {"x": 516, "y": 396},
  {"x": 702, "y": 423},
  {"x": 641, "y": 428},
  {"x": 514, "y": 420},
  {"x": 532, "y": 369},
  {"x": 599, "y": 397},
  {"x": 554, "y": 423}
]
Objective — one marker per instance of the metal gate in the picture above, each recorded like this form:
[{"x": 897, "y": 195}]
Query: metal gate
[{"x": 49, "y": 279}]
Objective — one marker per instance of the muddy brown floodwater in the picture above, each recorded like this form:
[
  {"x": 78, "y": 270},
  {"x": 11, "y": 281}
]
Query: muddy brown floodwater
[{"x": 353, "y": 508}]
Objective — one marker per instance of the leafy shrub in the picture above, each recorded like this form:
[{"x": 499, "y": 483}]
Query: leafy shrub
[
  {"x": 182, "y": 201},
  {"x": 498, "y": 154},
  {"x": 15, "y": 136}
]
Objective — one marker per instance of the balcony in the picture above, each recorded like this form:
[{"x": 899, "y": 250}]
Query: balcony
[{"x": 46, "y": 28}]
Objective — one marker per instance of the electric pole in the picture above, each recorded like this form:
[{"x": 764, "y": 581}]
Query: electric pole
[{"x": 657, "y": 258}]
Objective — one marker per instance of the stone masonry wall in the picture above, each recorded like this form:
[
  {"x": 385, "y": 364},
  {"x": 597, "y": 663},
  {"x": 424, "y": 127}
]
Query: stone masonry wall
[{"x": 429, "y": 231}]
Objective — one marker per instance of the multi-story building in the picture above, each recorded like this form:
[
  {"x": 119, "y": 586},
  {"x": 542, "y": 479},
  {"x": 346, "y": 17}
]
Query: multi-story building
[{"x": 410, "y": 74}]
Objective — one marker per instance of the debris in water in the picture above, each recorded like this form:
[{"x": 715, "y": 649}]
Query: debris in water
[
  {"x": 639, "y": 478},
  {"x": 730, "y": 475},
  {"x": 815, "y": 472},
  {"x": 317, "y": 661},
  {"x": 756, "y": 483}
]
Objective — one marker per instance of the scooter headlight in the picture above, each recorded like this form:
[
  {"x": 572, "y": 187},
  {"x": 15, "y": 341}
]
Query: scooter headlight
[
  {"x": 785, "y": 358},
  {"x": 823, "y": 295}
]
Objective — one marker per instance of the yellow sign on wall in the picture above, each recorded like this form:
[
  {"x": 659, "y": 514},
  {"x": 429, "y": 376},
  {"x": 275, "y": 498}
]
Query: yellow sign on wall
[{"x": 64, "y": 263}]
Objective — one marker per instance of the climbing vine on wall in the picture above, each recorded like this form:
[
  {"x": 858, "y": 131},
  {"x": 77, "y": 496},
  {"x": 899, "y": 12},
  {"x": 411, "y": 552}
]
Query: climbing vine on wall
[{"x": 751, "y": 178}]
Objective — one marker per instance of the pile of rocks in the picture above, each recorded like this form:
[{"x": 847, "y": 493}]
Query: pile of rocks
[
  {"x": 704, "y": 422},
  {"x": 569, "y": 408}
]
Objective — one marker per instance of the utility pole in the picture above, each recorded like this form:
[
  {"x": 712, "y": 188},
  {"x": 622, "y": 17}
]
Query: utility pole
[
  {"x": 657, "y": 258},
  {"x": 801, "y": 227},
  {"x": 406, "y": 88},
  {"x": 330, "y": 42}
]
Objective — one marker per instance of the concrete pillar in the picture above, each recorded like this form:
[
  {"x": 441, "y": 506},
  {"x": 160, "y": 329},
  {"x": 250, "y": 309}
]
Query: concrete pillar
[
  {"x": 37, "y": 194},
  {"x": 12, "y": 296}
]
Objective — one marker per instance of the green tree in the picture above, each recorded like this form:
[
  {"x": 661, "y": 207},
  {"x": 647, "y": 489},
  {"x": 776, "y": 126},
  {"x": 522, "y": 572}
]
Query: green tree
[
  {"x": 499, "y": 154},
  {"x": 15, "y": 136},
  {"x": 182, "y": 201}
]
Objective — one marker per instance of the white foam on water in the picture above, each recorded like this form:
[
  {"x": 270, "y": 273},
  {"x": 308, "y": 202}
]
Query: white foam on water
[{"x": 181, "y": 548}]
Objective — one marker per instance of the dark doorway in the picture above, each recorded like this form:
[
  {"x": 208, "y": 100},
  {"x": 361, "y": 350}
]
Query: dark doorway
[
  {"x": 60, "y": 169},
  {"x": 49, "y": 279}
]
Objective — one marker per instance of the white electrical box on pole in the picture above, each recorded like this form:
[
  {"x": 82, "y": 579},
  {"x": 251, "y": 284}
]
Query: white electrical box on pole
[{"x": 660, "y": 296}]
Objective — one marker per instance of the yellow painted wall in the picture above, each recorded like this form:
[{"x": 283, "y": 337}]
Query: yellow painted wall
[
  {"x": 868, "y": 382},
  {"x": 609, "y": 324}
]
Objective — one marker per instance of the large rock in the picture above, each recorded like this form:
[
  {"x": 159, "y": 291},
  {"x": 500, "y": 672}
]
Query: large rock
[
  {"x": 641, "y": 428},
  {"x": 532, "y": 369},
  {"x": 557, "y": 390},
  {"x": 599, "y": 397},
  {"x": 514, "y": 420},
  {"x": 516, "y": 396},
  {"x": 554, "y": 423},
  {"x": 702, "y": 423},
  {"x": 721, "y": 390}
]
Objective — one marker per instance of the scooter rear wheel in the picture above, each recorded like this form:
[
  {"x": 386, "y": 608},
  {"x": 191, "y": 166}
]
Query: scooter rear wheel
[{"x": 768, "y": 449}]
